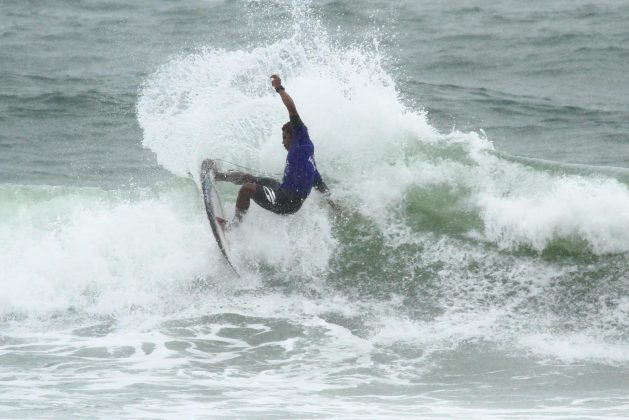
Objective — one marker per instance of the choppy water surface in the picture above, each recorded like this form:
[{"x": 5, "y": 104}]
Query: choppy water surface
[{"x": 481, "y": 268}]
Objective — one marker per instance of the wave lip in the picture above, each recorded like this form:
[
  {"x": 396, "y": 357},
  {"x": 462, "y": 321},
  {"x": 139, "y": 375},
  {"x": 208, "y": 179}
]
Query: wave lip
[{"x": 578, "y": 212}]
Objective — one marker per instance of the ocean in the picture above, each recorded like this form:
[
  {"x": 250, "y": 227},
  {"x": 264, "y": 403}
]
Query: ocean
[{"x": 480, "y": 151}]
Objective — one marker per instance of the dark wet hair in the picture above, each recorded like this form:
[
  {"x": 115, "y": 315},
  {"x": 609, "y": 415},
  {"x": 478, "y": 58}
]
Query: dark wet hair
[{"x": 286, "y": 127}]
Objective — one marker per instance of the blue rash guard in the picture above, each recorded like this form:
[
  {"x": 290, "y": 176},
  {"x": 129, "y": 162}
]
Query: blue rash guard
[{"x": 300, "y": 173}]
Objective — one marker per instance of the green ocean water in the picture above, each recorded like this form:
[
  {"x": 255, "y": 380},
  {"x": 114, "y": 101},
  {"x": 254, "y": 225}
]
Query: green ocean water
[{"x": 479, "y": 148}]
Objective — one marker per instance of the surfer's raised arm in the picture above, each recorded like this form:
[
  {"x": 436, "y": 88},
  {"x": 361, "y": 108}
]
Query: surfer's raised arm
[{"x": 276, "y": 82}]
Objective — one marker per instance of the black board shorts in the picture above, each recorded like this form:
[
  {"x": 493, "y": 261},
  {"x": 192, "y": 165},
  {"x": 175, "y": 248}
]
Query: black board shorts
[{"x": 270, "y": 196}]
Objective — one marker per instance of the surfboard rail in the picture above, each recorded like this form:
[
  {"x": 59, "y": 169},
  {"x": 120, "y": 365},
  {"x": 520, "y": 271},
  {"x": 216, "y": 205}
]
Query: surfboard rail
[{"x": 214, "y": 209}]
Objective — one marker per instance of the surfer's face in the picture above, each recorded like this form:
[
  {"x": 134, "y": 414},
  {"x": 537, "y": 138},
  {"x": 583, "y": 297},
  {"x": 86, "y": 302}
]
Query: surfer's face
[{"x": 286, "y": 138}]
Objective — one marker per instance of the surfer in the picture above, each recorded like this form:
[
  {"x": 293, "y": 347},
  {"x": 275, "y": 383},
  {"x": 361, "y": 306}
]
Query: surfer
[{"x": 300, "y": 172}]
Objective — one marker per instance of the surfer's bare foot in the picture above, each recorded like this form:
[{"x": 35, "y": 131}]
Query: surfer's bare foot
[
  {"x": 237, "y": 219},
  {"x": 213, "y": 166},
  {"x": 224, "y": 223},
  {"x": 218, "y": 175}
]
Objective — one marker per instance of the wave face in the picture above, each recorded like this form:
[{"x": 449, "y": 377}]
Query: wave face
[
  {"x": 457, "y": 270},
  {"x": 467, "y": 235},
  {"x": 380, "y": 154}
]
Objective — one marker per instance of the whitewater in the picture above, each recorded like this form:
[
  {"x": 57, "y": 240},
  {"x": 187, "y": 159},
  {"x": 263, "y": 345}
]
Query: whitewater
[{"x": 461, "y": 281}]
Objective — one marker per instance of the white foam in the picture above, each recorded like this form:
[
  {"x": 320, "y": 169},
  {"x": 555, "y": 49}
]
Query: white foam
[
  {"x": 216, "y": 103},
  {"x": 107, "y": 255},
  {"x": 520, "y": 206},
  {"x": 92, "y": 251},
  {"x": 576, "y": 347}
]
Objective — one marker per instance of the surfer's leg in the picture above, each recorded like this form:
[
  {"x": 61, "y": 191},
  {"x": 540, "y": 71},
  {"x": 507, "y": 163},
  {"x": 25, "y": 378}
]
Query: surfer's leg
[
  {"x": 247, "y": 191},
  {"x": 235, "y": 177}
]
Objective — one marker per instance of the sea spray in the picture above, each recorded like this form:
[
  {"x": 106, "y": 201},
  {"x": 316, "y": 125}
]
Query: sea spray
[
  {"x": 99, "y": 252},
  {"x": 371, "y": 147}
]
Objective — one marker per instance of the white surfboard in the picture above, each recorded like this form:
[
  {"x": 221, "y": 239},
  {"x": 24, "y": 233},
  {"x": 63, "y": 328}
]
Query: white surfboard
[{"x": 214, "y": 209}]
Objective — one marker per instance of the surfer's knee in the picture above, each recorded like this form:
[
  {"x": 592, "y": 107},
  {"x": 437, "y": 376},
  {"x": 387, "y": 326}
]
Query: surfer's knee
[
  {"x": 248, "y": 189},
  {"x": 246, "y": 193}
]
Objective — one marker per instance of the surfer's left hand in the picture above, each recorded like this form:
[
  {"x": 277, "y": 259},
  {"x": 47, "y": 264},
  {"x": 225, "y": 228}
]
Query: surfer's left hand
[{"x": 276, "y": 81}]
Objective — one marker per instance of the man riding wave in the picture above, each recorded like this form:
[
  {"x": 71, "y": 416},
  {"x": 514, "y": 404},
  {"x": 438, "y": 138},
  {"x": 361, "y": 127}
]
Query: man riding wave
[{"x": 300, "y": 172}]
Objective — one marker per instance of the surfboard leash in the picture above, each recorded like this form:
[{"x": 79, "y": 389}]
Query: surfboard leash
[{"x": 254, "y": 171}]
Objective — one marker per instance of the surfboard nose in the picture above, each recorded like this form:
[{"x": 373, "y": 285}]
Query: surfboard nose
[{"x": 209, "y": 165}]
